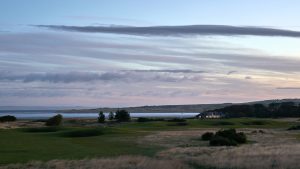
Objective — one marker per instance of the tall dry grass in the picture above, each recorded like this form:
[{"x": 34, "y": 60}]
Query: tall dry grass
[
  {"x": 122, "y": 162},
  {"x": 271, "y": 150}
]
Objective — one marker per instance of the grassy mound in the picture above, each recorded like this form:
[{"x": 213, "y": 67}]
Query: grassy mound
[
  {"x": 145, "y": 119},
  {"x": 178, "y": 124},
  {"x": 255, "y": 122},
  {"x": 224, "y": 123},
  {"x": 176, "y": 120},
  {"x": 55, "y": 120},
  {"x": 83, "y": 133},
  {"x": 42, "y": 129}
]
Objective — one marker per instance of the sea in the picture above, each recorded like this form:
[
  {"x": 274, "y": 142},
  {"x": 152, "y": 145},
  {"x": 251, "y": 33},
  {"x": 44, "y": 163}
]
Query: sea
[{"x": 44, "y": 114}]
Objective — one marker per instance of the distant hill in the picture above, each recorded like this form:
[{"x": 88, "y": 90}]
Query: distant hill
[
  {"x": 194, "y": 108},
  {"x": 155, "y": 109},
  {"x": 41, "y": 107}
]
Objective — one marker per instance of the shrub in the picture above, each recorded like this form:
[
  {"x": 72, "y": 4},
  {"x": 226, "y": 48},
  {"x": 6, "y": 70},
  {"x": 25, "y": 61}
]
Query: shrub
[
  {"x": 101, "y": 118},
  {"x": 7, "y": 118},
  {"x": 233, "y": 135},
  {"x": 176, "y": 120},
  {"x": 241, "y": 138},
  {"x": 227, "y": 137},
  {"x": 294, "y": 128},
  {"x": 55, "y": 120},
  {"x": 83, "y": 133},
  {"x": 222, "y": 141},
  {"x": 122, "y": 115},
  {"x": 207, "y": 136}
]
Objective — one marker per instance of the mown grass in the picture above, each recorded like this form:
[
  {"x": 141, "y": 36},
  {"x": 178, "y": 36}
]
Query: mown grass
[
  {"x": 47, "y": 143},
  {"x": 209, "y": 123},
  {"x": 83, "y": 133},
  {"x": 18, "y": 146},
  {"x": 42, "y": 129}
]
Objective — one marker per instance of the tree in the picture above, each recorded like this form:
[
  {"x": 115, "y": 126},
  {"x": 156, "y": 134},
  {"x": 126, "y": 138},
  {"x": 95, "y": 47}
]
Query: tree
[
  {"x": 111, "y": 116},
  {"x": 122, "y": 115},
  {"x": 101, "y": 118},
  {"x": 55, "y": 120}
]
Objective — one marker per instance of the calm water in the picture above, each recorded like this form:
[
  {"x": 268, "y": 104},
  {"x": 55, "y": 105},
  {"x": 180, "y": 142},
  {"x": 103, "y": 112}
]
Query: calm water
[{"x": 43, "y": 114}]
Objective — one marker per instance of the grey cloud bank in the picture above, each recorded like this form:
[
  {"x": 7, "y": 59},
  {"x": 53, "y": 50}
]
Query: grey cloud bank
[
  {"x": 209, "y": 30},
  {"x": 126, "y": 76}
]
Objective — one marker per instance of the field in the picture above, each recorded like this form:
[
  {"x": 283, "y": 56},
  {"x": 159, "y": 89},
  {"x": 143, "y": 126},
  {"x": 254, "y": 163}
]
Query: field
[{"x": 142, "y": 144}]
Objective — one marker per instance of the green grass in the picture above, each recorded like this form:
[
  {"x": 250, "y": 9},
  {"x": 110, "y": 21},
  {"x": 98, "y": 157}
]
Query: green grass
[
  {"x": 83, "y": 133},
  {"x": 210, "y": 123},
  {"x": 19, "y": 146},
  {"x": 23, "y": 145},
  {"x": 42, "y": 129}
]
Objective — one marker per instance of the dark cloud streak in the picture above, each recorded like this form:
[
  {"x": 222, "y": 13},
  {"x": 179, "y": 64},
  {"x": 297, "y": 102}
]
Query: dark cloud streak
[
  {"x": 167, "y": 71},
  {"x": 83, "y": 77},
  {"x": 209, "y": 30}
]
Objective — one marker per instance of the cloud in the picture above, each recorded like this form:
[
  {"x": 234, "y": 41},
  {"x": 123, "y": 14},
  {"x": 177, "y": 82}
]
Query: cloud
[
  {"x": 168, "y": 71},
  {"x": 231, "y": 72},
  {"x": 74, "y": 77},
  {"x": 288, "y": 88},
  {"x": 207, "y": 30}
]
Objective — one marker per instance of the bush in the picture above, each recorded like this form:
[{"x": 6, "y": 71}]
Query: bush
[
  {"x": 241, "y": 138},
  {"x": 222, "y": 141},
  {"x": 7, "y": 118},
  {"x": 232, "y": 135},
  {"x": 101, "y": 118},
  {"x": 176, "y": 120},
  {"x": 83, "y": 133},
  {"x": 122, "y": 116},
  {"x": 227, "y": 137},
  {"x": 294, "y": 128},
  {"x": 207, "y": 136},
  {"x": 55, "y": 120}
]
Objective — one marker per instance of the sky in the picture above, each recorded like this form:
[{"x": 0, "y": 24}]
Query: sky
[{"x": 113, "y": 53}]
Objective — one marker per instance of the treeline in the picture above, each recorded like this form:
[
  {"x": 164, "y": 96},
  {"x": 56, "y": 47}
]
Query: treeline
[{"x": 274, "y": 110}]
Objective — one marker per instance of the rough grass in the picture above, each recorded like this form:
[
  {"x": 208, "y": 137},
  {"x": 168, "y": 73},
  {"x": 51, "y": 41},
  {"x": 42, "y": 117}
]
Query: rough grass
[
  {"x": 271, "y": 150},
  {"x": 135, "y": 139},
  {"x": 123, "y": 162}
]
